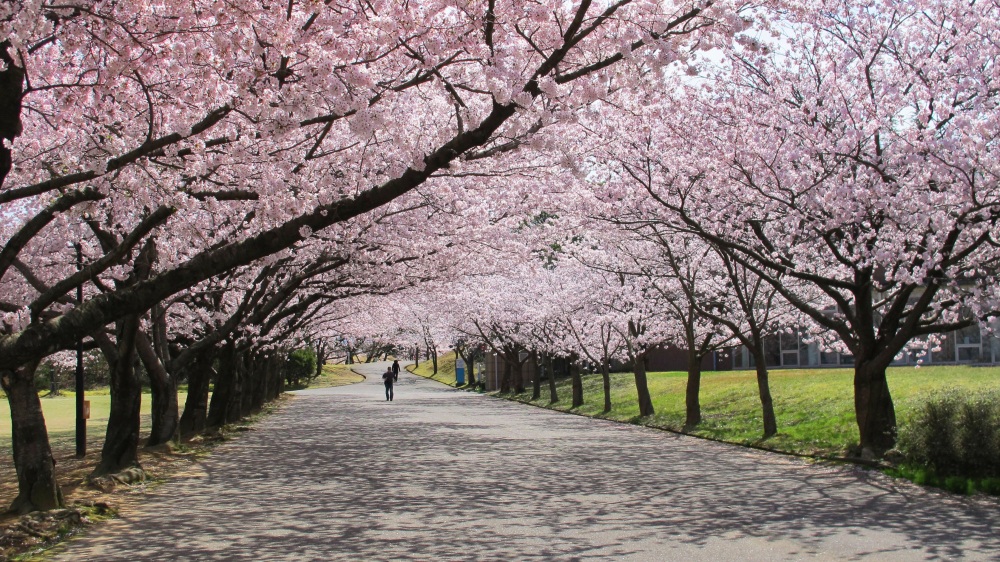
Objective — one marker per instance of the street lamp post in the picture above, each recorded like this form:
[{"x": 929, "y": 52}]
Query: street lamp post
[{"x": 81, "y": 419}]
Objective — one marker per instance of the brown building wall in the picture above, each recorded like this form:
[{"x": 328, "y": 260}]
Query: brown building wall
[
  {"x": 493, "y": 372},
  {"x": 675, "y": 359}
]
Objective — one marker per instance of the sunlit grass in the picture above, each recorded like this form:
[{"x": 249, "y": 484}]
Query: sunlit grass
[
  {"x": 60, "y": 416},
  {"x": 814, "y": 407},
  {"x": 446, "y": 369},
  {"x": 336, "y": 375}
]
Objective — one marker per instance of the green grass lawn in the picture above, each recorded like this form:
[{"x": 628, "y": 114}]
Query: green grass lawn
[
  {"x": 446, "y": 369},
  {"x": 814, "y": 407},
  {"x": 336, "y": 375},
  {"x": 60, "y": 411},
  {"x": 60, "y": 418}
]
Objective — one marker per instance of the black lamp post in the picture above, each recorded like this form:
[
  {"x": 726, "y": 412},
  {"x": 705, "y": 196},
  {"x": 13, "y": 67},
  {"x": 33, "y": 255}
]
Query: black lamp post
[{"x": 81, "y": 418}]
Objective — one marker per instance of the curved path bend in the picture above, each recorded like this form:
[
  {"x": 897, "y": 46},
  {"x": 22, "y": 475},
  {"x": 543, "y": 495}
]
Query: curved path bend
[{"x": 440, "y": 474}]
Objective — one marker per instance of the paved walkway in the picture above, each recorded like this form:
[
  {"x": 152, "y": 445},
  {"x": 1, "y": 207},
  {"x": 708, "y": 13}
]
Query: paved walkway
[{"x": 439, "y": 474}]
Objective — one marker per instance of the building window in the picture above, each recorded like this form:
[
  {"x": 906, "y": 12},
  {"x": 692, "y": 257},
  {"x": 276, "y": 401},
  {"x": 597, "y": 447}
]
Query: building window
[
  {"x": 789, "y": 350},
  {"x": 968, "y": 354},
  {"x": 902, "y": 359},
  {"x": 969, "y": 344},
  {"x": 828, "y": 358},
  {"x": 947, "y": 351},
  {"x": 772, "y": 351}
]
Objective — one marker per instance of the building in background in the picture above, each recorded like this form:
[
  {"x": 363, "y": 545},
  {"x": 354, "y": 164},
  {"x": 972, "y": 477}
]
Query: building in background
[{"x": 968, "y": 345}]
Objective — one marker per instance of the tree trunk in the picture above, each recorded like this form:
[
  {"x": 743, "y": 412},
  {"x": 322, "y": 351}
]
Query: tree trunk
[
  {"x": 320, "y": 361},
  {"x": 37, "y": 488},
  {"x": 199, "y": 374},
  {"x": 121, "y": 442},
  {"x": 163, "y": 386},
  {"x": 873, "y": 407},
  {"x": 274, "y": 378},
  {"x": 641, "y": 387},
  {"x": 553, "y": 395},
  {"x": 518, "y": 372},
  {"x": 432, "y": 352},
  {"x": 225, "y": 387},
  {"x": 259, "y": 367},
  {"x": 691, "y": 398},
  {"x": 764, "y": 389},
  {"x": 11, "y": 96},
  {"x": 244, "y": 403},
  {"x": 574, "y": 373},
  {"x": 536, "y": 383},
  {"x": 505, "y": 380},
  {"x": 606, "y": 377}
]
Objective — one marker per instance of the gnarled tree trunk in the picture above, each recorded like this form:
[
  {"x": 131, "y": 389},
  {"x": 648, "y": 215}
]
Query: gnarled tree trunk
[
  {"x": 121, "y": 442},
  {"x": 11, "y": 96},
  {"x": 37, "y": 488},
  {"x": 163, "y": 386},
  {"x": 225, "y": 387},
  {"x": 873, "y": 406},
  {"x": 195, "y": 416}
]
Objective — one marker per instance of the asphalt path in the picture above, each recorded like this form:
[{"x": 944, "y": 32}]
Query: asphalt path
[{"x": 440, "y": 474}]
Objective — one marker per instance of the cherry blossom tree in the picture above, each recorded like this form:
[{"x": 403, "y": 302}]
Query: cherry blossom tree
[
  {"x": 852, "y": 156},
  {"x": 222, "y": 137},
  {"x": 597, "y": 327}
]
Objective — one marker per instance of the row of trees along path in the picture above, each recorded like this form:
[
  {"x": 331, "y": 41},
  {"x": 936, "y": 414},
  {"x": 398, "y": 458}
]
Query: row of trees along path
[
  {"x": 222, "y": 186},
  {"x": 200, "y": 166}
]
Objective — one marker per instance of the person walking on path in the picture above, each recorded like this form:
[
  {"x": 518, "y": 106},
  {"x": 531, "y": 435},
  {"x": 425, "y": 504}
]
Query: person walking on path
[
  {"x": 387, "y": 377},
  {"x": 395, "y": 370}
]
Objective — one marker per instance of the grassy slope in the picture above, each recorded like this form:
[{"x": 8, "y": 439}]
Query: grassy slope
[
  {"x": 446, "y": 369},
  {"x": 336, "y": 375},
  {"x": 814, "y": 407}
]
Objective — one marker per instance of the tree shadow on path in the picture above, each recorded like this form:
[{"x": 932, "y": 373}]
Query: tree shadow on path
[{"x": 442, "y": 474}]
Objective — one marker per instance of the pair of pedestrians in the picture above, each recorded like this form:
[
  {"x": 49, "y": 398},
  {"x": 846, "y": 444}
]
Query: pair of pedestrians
[{"x": 390, "y": 376}]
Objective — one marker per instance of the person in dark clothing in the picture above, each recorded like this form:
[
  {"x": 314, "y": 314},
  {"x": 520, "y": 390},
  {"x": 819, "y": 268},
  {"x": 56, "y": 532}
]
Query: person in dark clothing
[
  {"x": 387, "y": 378},
  {"x": 395, "y": 370}
]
